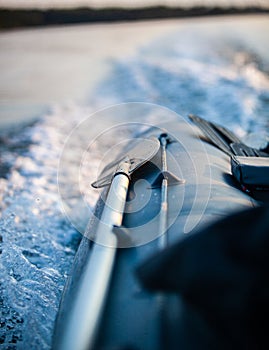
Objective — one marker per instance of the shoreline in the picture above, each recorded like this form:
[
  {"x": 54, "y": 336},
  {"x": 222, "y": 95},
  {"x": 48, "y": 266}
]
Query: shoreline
[{"x": 22, "y": 18}]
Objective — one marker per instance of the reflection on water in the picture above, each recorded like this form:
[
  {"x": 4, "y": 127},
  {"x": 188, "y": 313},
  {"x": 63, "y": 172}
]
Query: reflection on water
[{"x": 187, "y": 71}]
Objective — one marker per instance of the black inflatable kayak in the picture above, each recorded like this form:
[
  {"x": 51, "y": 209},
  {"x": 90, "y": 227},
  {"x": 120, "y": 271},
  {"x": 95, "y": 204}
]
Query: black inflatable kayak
[{"x": 176, "y": 183}]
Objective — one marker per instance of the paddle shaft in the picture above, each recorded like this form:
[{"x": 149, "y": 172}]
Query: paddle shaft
[
  {"x": 164, "y": 195},
  {"x": 87, "y": 310}
]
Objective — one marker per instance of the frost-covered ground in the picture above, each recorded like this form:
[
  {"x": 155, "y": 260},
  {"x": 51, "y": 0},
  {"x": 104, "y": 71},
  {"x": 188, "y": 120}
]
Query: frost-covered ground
[{"x": 222, "y": 80}]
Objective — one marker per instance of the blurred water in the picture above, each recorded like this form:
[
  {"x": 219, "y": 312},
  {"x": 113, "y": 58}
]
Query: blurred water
[
  {"x": 228, "y": 84},
  {"x": 223, "y": 80}
]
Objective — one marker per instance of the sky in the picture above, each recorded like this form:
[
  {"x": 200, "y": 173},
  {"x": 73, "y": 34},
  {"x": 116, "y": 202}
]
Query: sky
[{"x": 43, "y": 4}]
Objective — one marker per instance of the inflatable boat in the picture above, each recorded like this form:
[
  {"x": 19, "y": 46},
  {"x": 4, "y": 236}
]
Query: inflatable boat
[{"x": 171, "y": 182}]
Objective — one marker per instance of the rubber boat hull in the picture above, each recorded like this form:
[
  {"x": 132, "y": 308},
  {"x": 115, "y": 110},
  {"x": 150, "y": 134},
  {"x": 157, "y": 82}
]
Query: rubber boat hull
[{"x": 134, "y": 318}]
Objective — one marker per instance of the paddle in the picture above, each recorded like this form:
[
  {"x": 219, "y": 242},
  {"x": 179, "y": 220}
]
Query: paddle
[
  {"x": 86, "y": 312},
  {"x": 225, "y": 140},
  {"x": 163, "y": 180}
]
